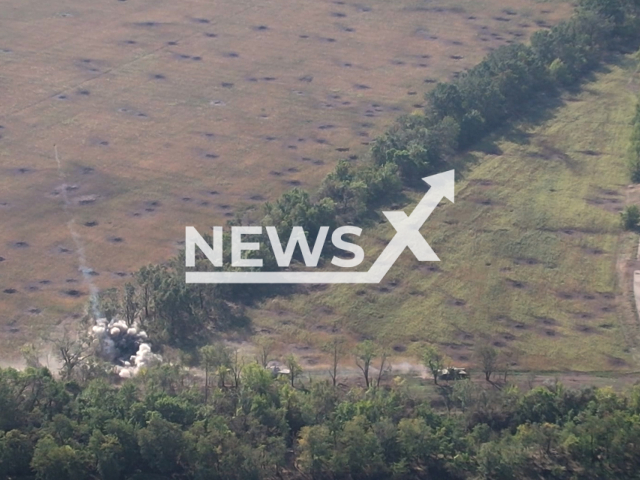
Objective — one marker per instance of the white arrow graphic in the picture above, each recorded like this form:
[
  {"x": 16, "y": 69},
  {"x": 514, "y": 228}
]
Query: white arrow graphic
[{"x": 407, "y": 236}]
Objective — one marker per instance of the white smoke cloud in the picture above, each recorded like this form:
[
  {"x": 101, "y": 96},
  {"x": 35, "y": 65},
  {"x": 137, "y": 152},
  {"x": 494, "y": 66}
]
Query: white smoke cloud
[{"x": 125, "y": 346}]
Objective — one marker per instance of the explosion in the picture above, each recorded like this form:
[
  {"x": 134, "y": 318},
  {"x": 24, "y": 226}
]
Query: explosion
[{"x": 125, "y": 346}]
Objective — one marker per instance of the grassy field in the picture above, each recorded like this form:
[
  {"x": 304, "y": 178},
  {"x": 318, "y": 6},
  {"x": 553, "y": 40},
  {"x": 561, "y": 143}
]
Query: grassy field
[
  {"x": 167, "y": 114},
  {"x": 532, "y": 257}
]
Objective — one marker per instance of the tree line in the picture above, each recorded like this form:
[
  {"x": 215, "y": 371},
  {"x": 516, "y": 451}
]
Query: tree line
[
  {"x": 251, "y": 425},
  {"x": 501, "y": 88}
]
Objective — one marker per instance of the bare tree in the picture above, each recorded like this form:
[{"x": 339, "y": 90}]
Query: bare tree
[
  {"x": 487, "y": 357},
  {"x": 72, "y": 349},
  {"x": 265, "y": 348},
  {"x": 507, "y": 362},
  {"x": 364, "y": 355},
  {"x": 31, "y": 356},
  {"x": 237, "y": 365},
  {"x": 129, "y": 304},
  {"x": 336, "y": 349},
  {"x": 294, "y": 368},
  {"x": 384, "y": 367}
]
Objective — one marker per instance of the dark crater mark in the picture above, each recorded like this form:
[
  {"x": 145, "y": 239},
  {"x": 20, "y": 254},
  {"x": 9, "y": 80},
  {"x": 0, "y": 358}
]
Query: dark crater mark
[
  {"x": 303, "y": 36},
  {"x": 196, "y": 59},
  {"x": 211, "y": 155},
  {"x": 260, "y": 28},
  {"x": 342, "y": 149},
  {"x": 201, "y": 20},
  {"x": 146, "y": 24},
  {"x": 275, "y": 173},
  {"x": 231, "y": 55},
  {"x": 73, "y": 293},
  {"x": 210, "y": 35},
  {"x": 257, "y": 198},
  {"x": 294, "y": 183},
  {"x": 158, "y": 76},
  {"x": 116, "y": 239},
  {"x": 269, "y": 79},
  {"x": 34, "y": 311},
  {"x": 92, "y": 223},
  {"x": 172, "y": 43},
  {"x": 515, "y": 283},
  {"x": 10, "y": 291},
  {"x": 338, "y": 14},
  {"x": 227, "y": 85},
  {"x": 20, "y": 244},
  {"x": 306, "y": 78}
]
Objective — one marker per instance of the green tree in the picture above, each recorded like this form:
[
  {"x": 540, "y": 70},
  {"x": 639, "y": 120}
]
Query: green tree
[
  {"x": 630, "y": 217},
  {"x": 434, "y": 361},
  {"x": 53, "y": 462},
  {"x": 161, "y": 445}
]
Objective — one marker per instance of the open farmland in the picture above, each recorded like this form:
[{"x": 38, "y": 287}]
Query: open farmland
[
  {"x": 533, "y": 259},
  {"x": 167, "y": 114}
]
